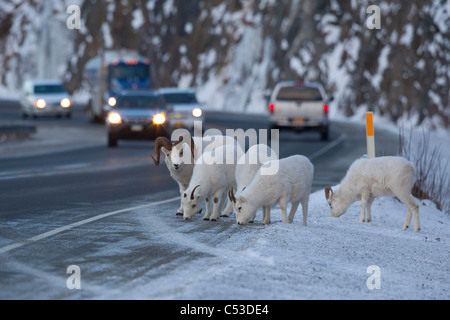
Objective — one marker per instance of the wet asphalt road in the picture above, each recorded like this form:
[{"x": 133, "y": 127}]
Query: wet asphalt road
[{"x": 39, "y": 194}]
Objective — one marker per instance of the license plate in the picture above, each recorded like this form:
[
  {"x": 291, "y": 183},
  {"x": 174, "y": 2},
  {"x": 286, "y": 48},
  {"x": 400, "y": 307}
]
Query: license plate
[
  {"x": 298, "y": 121},
  {"x": 137, "y": 128}
]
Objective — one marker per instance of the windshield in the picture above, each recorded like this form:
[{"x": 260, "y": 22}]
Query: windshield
[
  {"x": 49, "y": 88},
  {"x": 129, "y": 71},
  {"x": 178, "y": 98},
  {"x": 299, "y": 93},
  {"x": 139, "y": 102}
]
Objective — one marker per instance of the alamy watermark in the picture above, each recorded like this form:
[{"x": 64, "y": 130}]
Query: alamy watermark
[
  {"x": 74, "y": 280},
  {"x": 374, "y": 280},
  {"x": 74, "y": 20},
  {"x": 214, "y": 138},
  {"x": 374, "y": 20}
]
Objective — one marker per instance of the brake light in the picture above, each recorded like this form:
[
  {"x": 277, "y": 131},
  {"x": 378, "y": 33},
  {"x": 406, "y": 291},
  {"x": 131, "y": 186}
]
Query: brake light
[
  {"x": 325, "y": 109},
  {"x": 272, "y": 108}
]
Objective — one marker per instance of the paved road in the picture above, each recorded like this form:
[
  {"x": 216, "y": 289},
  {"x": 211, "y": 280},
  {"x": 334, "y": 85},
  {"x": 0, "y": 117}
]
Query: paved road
[{"x": 53, "y": 206}]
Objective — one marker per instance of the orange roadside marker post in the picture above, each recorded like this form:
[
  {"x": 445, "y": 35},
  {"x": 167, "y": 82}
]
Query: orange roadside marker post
[{"x": 370, "y": 135}]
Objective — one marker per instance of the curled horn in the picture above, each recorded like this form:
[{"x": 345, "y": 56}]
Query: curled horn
[
  {"x": 231, "y": 195},
  {"x": 180, "y": 139},
  {"x": 159, "y": 143},
  {"x": 192, "y": 194},
  {"x": 328, "y": 193},
  {"x": 192, "y": 147}
]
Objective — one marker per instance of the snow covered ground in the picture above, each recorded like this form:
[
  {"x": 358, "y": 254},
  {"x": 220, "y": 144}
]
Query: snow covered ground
[{"x": 328, "y": 259}]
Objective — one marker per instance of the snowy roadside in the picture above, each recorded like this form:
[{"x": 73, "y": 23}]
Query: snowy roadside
[{"x": 328, "y": 259}]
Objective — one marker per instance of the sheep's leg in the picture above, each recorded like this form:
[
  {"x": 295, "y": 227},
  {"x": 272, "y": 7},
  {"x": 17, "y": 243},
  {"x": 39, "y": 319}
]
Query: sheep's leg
[
  {"x": 369, "y": 209},
  {"x": 228, "y": 210},
  {"x": 304, "y": 203},
  {"x": 415, "y": 210},
  {"x": 183, "y": 188},
  {"x": 219, "y": 199},
  {"x": 208, "y": 209},
  {"x": 266, "y": 211},
  {"x": 365, "y": 196},
  {"x": 293, "y": 211},
  {"x": 283, "y": 210},
  {"x": 412, "y": 209},
  {"x": 408, "y": 219}
]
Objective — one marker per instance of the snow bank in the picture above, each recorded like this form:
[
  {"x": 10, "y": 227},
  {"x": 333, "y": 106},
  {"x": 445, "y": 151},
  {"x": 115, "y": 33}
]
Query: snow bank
[{"x": 328, "y": 259}]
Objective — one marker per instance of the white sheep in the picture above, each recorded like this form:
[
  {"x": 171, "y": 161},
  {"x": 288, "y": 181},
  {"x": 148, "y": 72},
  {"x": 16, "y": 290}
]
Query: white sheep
[
  {"x": 367, "y": 179},
  {"x": 182, "y": 155},
  {"x": 290, "y": 184},
  {"x": 211, "y": 179},
  {"x": 249, "y": 165}
]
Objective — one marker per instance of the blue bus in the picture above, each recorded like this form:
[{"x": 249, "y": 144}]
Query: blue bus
[{"x": 110, "y": 74}]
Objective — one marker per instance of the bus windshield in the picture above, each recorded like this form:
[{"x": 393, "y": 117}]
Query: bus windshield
[{"x": 130, "y": 71}]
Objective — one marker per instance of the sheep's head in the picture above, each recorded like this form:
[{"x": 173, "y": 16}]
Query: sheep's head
[
  {"x": 191, "y": 203},
  {"x": 244, "y": 212},
  {"x": 337, "y": 206},
  {"x": 177, "y": 154}
]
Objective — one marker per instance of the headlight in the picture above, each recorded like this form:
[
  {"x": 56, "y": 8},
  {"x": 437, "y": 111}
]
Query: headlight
[
  {"x": 160, "y": 118},
  {"x": 41, "y": 104},
  {"x": 114, "y": 118},
  {"x": 112, "y": 101},
  {"x": 197, "y": 112},
  {"x": 65, "y": 103}
]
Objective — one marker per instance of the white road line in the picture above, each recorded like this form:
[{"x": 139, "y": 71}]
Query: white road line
[
  {"x": 80, "y": 223},
  {"x": 328, "y": 147}
]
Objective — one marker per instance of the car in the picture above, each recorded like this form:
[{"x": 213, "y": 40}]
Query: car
[
  {"x": 300, "y": 106},
  {"x": 138, "y": 115},
  {"x": 184, "y": 106},
  {"x": 45, "y": 97}
]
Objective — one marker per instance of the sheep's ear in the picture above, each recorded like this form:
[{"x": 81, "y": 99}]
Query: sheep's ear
[{"x": 328, "y": 193}]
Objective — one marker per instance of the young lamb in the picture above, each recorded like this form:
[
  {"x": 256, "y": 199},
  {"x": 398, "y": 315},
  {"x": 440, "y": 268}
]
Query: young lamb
[
  {"x": 182, "y": 155},
  {"x": 367, "y": 179},
  {"x": 291, "y": 184},
  {"x": 249, "y": 165},
  {"x": 211, "y": 179}
]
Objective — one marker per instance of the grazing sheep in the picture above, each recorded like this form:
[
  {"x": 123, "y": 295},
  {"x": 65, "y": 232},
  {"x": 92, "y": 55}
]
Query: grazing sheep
[
  {"x": 211, "y": 179},
  {"x": 367, "y": 179},
  {"x": 182, "y": 155},
  {"x": 291, "y": 184},
  {"x": 249, "y": 165}
]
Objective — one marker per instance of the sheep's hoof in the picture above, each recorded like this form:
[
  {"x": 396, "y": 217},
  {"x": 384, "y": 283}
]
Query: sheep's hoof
[
  {"x": 179, "y": 213},
  {"x": 224, "y": 216},
  {"x": 200, "y": 211},
  {"x": 213, "y": 220},
  {"x": 206, "y": 219}
]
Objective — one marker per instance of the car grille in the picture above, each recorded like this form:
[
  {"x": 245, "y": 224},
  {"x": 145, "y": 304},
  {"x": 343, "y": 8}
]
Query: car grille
[{"x": 141, "y": 120}]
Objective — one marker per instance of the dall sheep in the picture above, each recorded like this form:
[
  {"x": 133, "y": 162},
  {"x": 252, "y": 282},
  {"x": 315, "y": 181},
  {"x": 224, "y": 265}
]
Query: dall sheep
[
  {"x": 182, "y": 155},
  {"x": 249, "y": 165},
  {"x": 211, "y": 179},
  {"x": 290, "y": 184},
  {"x": 367, "y": 179}
]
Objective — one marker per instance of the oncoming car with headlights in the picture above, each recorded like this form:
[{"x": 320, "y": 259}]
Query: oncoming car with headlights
[
  {"x": 137, "y": 115},
  {"x": 45, "y": 97},
  {"x": 184, "y": 106}
]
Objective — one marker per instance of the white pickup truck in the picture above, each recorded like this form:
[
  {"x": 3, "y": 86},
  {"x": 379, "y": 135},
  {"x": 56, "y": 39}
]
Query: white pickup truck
[{"x": 300, "y": 106}]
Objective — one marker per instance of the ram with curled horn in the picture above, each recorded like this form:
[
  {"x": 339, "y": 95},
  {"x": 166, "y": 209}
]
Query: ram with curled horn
[{"x": 181, "y": 156}]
